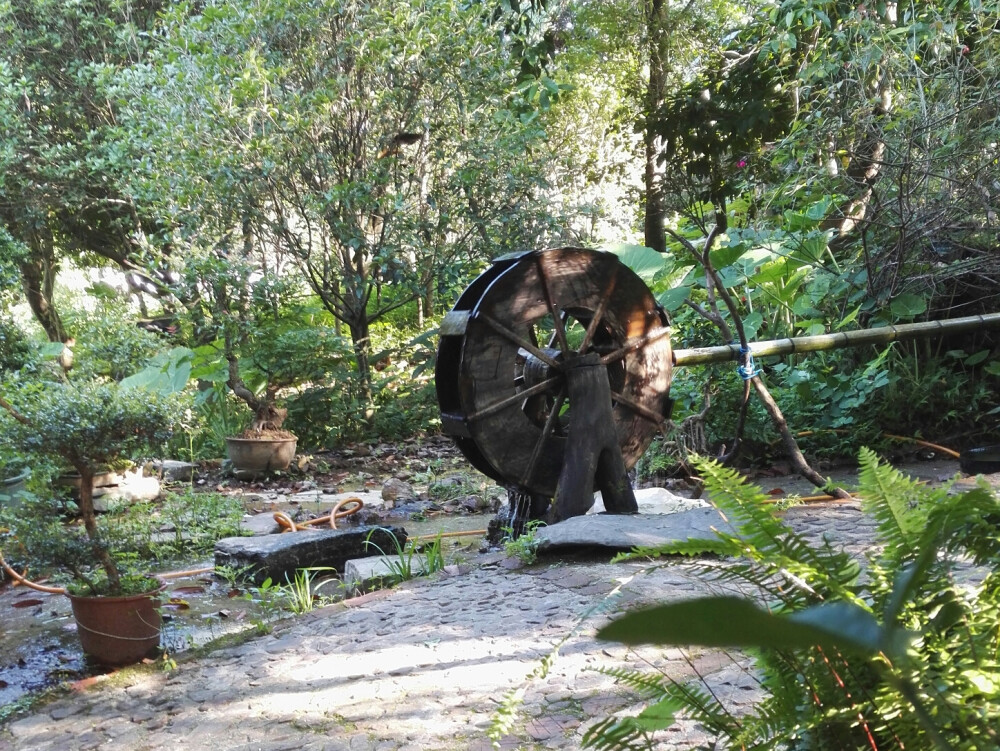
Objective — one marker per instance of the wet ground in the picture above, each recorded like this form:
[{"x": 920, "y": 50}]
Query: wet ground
[{"x": 38, "y": 643}]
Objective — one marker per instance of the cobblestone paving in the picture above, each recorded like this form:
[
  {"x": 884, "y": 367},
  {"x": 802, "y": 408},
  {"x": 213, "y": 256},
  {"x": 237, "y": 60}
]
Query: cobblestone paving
[{"x": 422, "y": 666}]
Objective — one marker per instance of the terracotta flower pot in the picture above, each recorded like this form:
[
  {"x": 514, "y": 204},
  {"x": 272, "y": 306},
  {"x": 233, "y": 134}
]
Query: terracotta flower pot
[
  {"x": 118, "y": 630},
  {"x": 261, "y": 454}
]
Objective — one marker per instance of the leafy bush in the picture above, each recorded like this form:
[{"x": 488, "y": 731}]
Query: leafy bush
[
  {"x": 15, "y": 349},
  {"x": 329, "y": 416},
  {"x": 182, "y": 524},
  {"x": 88, "y": 426},
  {"x": 109, "y": 343},
  {"x": 905, "y": 656}
]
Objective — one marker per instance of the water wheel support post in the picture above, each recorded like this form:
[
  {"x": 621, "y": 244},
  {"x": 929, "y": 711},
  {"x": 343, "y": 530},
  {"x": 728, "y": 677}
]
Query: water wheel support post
[{"x": 593, "y": 456}]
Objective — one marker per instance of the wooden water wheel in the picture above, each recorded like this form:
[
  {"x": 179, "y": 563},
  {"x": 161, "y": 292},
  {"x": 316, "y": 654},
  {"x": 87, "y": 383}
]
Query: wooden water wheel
[{"x": 506, "y": 362}]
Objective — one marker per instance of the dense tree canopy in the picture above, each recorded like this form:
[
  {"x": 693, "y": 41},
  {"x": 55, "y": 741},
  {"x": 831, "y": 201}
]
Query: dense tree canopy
[{"x": 275, "y": 166}]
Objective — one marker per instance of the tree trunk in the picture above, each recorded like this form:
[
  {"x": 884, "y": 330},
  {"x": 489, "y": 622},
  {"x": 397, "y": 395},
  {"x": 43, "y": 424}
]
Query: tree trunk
[
  {"x": 89, "y": 517},
  {"x": 38, "y": 278},
  {"x": 429, "y": 298},
  {"x": 862, "y": 173},
  {"x": 362, "y": 352},
  {"x": 655, "y": 212}
]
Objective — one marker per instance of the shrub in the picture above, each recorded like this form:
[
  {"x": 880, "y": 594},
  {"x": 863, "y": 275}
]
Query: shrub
[
  {"x": 903, "y": 657},
  {"x": 88, "y": 426},
  {"x": 109, "y": 343},
  {"x": 15, "y": 349}
]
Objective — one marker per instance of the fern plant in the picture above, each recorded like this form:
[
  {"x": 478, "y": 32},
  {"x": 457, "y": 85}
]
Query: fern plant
[{"x": 906, "y": 656}]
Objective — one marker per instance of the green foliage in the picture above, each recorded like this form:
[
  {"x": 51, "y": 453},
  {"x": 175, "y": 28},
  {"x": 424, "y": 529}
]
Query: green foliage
[
  {"x": 410, "y": 560},
  {"x": 132, "y": 582},
  {"x": 524, "y": 546},
  {"x": 370, "y": 174},
  {"x": 268, "y": 599},
  {"x": 108, "y": 343},
  {"x": 87, "y": 426},
  {"x": 905, "y": 656},
  {"x": 37, "y": 538},
  {"x": 302, "y": 593},
  {"x": 140, "y": 535},
  {"x": 182, "y": 524},
  {"x": 330, "y": 416},
  {"x": 15, "y": 349},
  {"x": 91, "y": 424}
]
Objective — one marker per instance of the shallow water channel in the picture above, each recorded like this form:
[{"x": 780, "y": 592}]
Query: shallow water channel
[{"x": 38, "y": 642}]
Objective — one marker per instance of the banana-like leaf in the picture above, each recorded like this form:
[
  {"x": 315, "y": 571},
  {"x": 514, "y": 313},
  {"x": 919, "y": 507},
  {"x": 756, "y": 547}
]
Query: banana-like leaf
[{"x": 738, "y": 622}]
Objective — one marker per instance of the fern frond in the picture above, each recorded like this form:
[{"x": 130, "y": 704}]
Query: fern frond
[
  {"x": 691, "y": 547},
  {"x": 647, "y": 683},
  {"x": 702, "y": 706},
  {"x": 899, "y": 504},
  {"x": 766, "y": 539},
  {"x": 616, "y": 734},
  {"x": 969, "y": 522}
]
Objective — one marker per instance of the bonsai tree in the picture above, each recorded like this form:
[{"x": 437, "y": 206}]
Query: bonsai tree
[
  {"x": 233, "y": 302},
  {"x": 88, "y": 426},
  {"x": 250, "y": 336},
  {"x": 285, "y": 354}
]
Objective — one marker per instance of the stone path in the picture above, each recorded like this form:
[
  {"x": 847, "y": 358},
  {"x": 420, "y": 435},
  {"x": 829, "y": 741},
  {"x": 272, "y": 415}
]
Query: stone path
[{"x": 422, "y": 666}]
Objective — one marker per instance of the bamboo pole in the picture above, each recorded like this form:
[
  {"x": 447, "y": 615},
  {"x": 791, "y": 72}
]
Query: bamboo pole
[{"x": 823, "y": 342}]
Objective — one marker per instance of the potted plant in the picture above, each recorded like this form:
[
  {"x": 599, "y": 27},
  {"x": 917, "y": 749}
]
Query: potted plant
[
  {"x": 264, "y": 445},
  {"x": 278, "y": 357},
  {"x": 89, "y": 426},
  {"x": 235, "y": 295}
]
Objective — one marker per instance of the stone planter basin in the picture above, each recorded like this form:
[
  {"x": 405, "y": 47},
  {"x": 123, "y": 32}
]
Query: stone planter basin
[{"x": 13, "y": 489}]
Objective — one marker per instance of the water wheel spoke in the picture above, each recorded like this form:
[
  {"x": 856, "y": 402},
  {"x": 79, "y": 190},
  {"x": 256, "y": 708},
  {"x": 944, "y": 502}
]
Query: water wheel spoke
[
  {"x": 639, "y": 409},
  {"x": 520, "y": 341},
  {"x": 635, "y": 343},
  {"x": 602, "y": 306},
  {"x": 553, "y": 304},
  {"x": 555, "y": 332},
  {"x": 550, "y": 423},
  {"x": 514, "y": 399}
]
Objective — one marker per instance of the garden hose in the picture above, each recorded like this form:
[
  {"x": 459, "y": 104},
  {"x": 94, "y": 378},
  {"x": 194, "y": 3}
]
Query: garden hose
[
  {"x": 442, "y": 535},
  {"x": 189, "y": 572},
  {"x": 920, "y": 442},
  {"x": 30, "y": 584},
  {"x": 287, "y": 523}
]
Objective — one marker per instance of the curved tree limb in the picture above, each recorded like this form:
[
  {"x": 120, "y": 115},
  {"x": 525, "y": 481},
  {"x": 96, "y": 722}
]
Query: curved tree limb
[{"x": 713, "y": 282}]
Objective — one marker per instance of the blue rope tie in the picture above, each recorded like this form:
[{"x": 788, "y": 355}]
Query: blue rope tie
[{"x": 747, "y": 370}]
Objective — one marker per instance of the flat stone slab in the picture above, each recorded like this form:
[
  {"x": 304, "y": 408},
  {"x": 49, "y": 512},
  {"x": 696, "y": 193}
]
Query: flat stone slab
[
  {"x": 365, "y": 574},
  {"x": 259, "y": 525},
  {"x": 133, "y": 488},
  {"x": 626, "y": 531},
  {"x": 175, "y": 471},
  {"x": 279, "y": 556}
]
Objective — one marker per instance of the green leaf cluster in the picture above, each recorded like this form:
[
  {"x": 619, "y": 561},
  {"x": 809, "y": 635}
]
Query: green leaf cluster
[{"x": 904, "y": 654}]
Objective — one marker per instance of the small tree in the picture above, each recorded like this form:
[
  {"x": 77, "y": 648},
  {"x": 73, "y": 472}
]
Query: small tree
[{"x": 89, "y": 426}]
